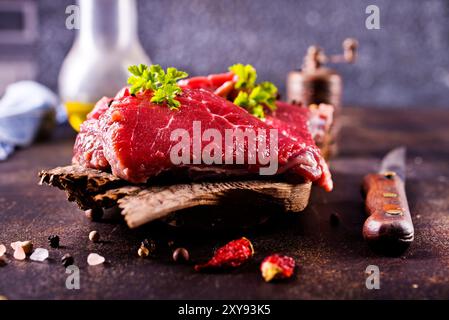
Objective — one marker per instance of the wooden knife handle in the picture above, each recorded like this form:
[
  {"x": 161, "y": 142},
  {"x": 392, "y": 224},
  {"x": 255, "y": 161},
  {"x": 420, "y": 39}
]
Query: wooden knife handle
[{"x": 386, "y": 204}]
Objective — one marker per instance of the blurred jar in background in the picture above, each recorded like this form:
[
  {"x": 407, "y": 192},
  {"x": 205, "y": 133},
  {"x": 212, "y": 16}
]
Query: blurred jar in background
[{"x": 96, "y": 66}]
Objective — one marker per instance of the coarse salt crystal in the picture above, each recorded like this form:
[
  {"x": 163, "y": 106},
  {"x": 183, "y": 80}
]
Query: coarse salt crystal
[
  {"x": 40, "y": 254},
  {"x": 27, "y": 246},
  {"x": 2, "y": 250},
  {"x": 16, "y": 244},
  {"x": 19, "y": 253},
  {"x": 94, "y": 259}
]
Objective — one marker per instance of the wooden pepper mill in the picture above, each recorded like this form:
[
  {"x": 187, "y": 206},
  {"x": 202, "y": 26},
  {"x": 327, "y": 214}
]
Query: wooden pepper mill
[{"x": 315, "y": 84}]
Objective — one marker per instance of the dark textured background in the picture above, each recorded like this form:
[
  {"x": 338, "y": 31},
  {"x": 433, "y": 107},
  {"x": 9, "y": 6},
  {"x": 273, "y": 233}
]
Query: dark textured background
[{"x": 405, "y": 63}]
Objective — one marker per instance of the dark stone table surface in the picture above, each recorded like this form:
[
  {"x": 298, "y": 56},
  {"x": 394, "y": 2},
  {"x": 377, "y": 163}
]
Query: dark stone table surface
[{"x": 331, "y": 259}]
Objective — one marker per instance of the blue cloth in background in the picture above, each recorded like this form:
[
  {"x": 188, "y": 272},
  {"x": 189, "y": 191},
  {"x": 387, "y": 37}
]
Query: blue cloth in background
[{"x": 22, "y": 109}]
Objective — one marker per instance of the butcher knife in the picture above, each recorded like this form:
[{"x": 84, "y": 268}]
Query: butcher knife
[{"x": 389, "y": 222}]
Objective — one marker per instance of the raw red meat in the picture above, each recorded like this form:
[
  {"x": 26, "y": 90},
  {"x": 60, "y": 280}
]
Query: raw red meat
[
  {"x": 135, "y": 138},
  {"x": 210, "y": 82},
  {"x": 319, "y": 118},
  {"x": 100, "y": 107},
  {"x": 297, "y": 122},
  {"x": 303, "y": 124},
  {"x": 88, "y": 148}
]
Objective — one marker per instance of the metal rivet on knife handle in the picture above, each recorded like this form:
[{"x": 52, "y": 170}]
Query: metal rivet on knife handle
[
  {"x": 390, "y": 195},
  {"x": 394, "y": 212},
  {"x": 389, "y": 174}
]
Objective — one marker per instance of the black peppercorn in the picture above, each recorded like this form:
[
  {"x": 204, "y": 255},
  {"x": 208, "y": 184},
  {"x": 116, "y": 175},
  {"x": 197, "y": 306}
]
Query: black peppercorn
[
  {"x": 94, "y": 236},
  {"x": 67, "y": 260},
  {"x": 181, "y": 255},
  {"x": 334, "y": 219},
  {"x": 94, "y": 214},
  {"x": 54, "y": 241}
]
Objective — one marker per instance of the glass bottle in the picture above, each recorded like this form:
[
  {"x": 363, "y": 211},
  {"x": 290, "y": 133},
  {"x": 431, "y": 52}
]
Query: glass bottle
[{"x": 106, "y": 45}]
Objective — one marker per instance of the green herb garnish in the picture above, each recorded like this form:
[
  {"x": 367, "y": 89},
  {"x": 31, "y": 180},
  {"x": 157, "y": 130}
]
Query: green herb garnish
[
  {"x": 262, "y": 95},
  {"x": 253, "y": 97},
  {"x": 246, "y": 74},
  {"x": 162, "y": 83}
]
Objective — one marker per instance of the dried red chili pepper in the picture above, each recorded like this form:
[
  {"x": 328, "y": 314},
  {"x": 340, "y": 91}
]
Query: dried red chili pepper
[
  {"x": 277, "y": 267},
  {"x": 233, "y": 254}
]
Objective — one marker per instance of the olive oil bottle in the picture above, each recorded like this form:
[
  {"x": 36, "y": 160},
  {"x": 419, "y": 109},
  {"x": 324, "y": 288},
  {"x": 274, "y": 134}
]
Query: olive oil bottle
[{"x": 96, "y": 65}]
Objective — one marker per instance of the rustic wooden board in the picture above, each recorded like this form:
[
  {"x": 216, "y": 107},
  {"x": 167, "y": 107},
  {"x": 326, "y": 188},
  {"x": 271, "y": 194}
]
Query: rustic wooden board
[
  {"x": 83, "y": 185},
  {"x": 141, "y": 204}
]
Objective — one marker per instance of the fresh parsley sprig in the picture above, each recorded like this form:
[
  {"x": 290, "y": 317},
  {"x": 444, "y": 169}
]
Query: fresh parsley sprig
[
  {"x": 246, "y": 75},
  {"x": 253, "y": 97},
  {"x": 162, "y": 83},
  {"x": 262, "y": 95}
]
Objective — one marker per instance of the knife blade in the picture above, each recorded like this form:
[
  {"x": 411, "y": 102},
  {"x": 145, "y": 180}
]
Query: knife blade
[
  {"x": 389, "y": 221},
  {"x": 394, "y": 161}
]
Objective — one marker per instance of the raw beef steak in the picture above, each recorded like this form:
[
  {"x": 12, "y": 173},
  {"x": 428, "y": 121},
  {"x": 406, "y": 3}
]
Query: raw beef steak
[
  {"x": 88, "y": 148},
  {"x": 134, "y": 136}
]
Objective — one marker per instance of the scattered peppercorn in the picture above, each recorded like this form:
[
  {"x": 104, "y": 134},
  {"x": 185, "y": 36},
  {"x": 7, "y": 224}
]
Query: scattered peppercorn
[
  {"x": 334, "y": 219},
  {"x": 277, "y": 267},
  {"x": 94, "y": 236},
  {"x": 181, "y": 255},
  {"x": 27, "y": 247},
  {"x": 94, "y": 214},
  {"x": 150, "y": 244},
  {"x": 143, "y": 252},
  {"x": 54, "y": 241},
  {"x": 233, "y": 254},
  {"x": 67, "y": 260}
]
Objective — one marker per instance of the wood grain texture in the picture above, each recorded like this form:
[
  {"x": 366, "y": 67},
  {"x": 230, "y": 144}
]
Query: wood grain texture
[
  {"x": 157, "y": 202},
  {"x": 141, "y": 204},
  {"x": 83, "y": 185},
  {"x": 386, "y": 204}
]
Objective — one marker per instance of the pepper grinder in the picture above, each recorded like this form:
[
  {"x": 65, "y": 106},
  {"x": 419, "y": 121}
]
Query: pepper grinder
[{"x": 315, "y": 84}]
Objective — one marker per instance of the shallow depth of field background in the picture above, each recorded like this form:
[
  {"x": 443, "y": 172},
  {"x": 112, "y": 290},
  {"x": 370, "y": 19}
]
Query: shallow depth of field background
[{"x": 405, "y": 63}]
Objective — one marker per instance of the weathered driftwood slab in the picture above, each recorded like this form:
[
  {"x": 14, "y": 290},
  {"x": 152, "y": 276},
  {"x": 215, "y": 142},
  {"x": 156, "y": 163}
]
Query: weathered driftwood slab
[
  {"x": 157, "y": 202},
  {"x": 82, "y": 185},
  {"x": 141, "y": 204}
]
